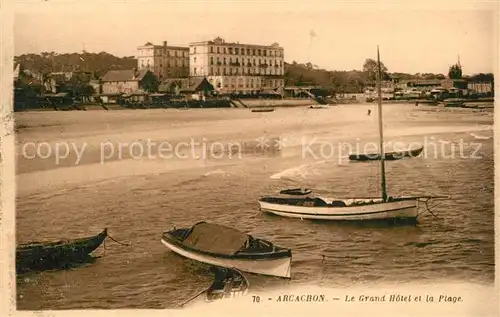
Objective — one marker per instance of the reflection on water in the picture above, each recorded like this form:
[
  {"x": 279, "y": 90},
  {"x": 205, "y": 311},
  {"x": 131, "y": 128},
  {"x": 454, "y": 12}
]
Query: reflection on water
[{"x": 139, "y": 200}]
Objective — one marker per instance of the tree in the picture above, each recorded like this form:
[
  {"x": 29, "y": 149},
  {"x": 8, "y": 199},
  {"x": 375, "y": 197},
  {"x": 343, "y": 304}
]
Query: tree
[
  {"x": 370, "y": 69},
  {"x": 455, "y": 71}
]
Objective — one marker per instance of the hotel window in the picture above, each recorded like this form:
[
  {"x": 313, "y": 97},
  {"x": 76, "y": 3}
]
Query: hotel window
[
  {"x": 218, "y": 71},
  {"x": 218, "y": 60},
  {"x": 211, "y": 49},
  {"x": 194, "y": 50},
  {"x": 225, "y": 51},
  {"x": 224, "y": 61},
  {"x": 236, "y": 51},
  {"x": 175, "y": 53},
  {"x": 248, "y": 51},
  {"x": 211, "y": 60},
  {"x": 260, "y": 52},
  {"x": 230, "y": 71},
  {"x": 194, "y": 60},
  {"x": 253, "y": 52},
  {"x": 265, "y": 52},
  {"x": 194, "y": 71},
  {"x": 230, "y": 50},
  {"x": 211, "y": 71},
  {"x": 224, "y": 71}
]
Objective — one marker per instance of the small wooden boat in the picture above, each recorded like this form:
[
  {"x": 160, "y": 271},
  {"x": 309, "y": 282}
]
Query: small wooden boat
[
  {"x": 389, "y": 156},
  {"x": 222, "y": 246},
  {"x": 262, "y": 110},
  {"x": 296, "y": 191},
  {"x": 36, "y": 255},
  {"x": 228, "y": 283}
]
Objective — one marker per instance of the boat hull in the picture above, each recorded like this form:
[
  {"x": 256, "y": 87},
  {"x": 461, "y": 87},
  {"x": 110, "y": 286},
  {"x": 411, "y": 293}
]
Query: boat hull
[
  {"x": 397, "y": 210},
  {"x": 280, "y": 266},
  {"x": 390, "y": 156},
  {"x": 39, "y": 256}
]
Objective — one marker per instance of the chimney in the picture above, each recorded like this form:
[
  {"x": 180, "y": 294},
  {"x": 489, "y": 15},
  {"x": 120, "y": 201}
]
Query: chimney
[{"x": 164, "y": 43}]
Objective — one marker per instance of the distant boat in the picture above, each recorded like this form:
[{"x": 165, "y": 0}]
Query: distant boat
[
  {"x": 262, "y": 110},
  {"x": 393, "y": 209},
  {"x": 454, "y": 102},
  {"x": 319, "y": 107},
  {"x": 48, "y": 254},
  {"x": 389, "y": 156},
  {"x": 296, "y": 191},
  {"x": 227, "y": 247}
]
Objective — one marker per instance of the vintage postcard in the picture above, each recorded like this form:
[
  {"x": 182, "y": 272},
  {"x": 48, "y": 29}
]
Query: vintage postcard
[{"x": 281, "y": 158}]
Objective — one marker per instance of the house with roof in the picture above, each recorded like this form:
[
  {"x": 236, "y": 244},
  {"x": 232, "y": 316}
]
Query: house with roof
[
  {"x": 172, "y": 86},
  {"x": 198, "y": 88},
  {"x": 129, "y": 81}
]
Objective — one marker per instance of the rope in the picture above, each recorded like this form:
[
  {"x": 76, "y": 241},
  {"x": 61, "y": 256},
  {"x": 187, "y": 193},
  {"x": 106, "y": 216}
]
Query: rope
[
  {"x": 428, "y": 209},
  {"x": 195, "y": 296},
  {"x": 126, "y": 244}
]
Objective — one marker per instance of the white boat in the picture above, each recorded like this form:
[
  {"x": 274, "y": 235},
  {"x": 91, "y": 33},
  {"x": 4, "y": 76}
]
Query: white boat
[
  {"x": 312, "y": 207},
  {"x": 229, "y": 248},
  {"x": 320, "y": 208}
]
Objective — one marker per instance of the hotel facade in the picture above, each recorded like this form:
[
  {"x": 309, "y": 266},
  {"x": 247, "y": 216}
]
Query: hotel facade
[
  {"x": 163, "y": 60},
  {"x": 238, "y": 68}
]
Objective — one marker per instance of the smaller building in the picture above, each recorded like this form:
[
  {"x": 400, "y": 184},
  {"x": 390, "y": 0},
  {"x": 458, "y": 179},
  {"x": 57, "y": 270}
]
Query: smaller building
[
  {"x": 198, "y": 88},
  {"x": 172, "y": 86},
  {"x": 128, "y": 81}
]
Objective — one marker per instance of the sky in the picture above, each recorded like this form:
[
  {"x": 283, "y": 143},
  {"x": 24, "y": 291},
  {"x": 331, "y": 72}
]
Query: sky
[{"x": 413, "y": 36}]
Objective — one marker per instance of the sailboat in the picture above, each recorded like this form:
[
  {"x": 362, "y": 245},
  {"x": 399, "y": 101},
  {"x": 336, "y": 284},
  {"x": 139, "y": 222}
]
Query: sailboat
[{"x": 309, "y": 206}]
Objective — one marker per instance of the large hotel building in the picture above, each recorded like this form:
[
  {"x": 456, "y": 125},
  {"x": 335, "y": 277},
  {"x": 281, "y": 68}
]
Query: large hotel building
[
  {"x": 165, "y": 61},
  {"x": 237, "y": 68}
]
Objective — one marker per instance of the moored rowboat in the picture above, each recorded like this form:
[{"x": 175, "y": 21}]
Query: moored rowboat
[
  {"x": 51, "y": 254},
  {"x": 227, "y": 247},
  {"x": 389, "y": 156}
]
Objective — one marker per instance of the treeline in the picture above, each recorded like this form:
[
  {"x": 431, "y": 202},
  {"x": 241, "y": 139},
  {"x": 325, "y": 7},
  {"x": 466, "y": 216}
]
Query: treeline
[{"x": 96, "y": 63}]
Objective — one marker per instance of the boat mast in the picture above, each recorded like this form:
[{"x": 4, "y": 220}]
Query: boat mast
[{"x": 380, "y": 128}]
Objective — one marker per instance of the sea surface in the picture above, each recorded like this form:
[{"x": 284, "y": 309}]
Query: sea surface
[{"x": 139, "y": 198}]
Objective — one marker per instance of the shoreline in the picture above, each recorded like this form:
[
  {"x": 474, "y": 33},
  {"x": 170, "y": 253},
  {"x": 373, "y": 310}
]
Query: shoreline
[{"x": 282, "y": 103}]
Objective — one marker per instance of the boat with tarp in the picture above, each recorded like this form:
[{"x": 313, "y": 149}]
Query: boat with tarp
[{"x": 223, "y": 246}]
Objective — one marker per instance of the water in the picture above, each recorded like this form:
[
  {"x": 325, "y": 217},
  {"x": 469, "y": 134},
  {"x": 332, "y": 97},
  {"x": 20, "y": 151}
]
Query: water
[{"x": 139, "y": 199}]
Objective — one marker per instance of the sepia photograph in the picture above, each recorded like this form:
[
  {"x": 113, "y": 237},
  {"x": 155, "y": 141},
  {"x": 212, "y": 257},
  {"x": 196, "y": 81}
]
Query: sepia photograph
[{"x": 249, "y": 157}]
